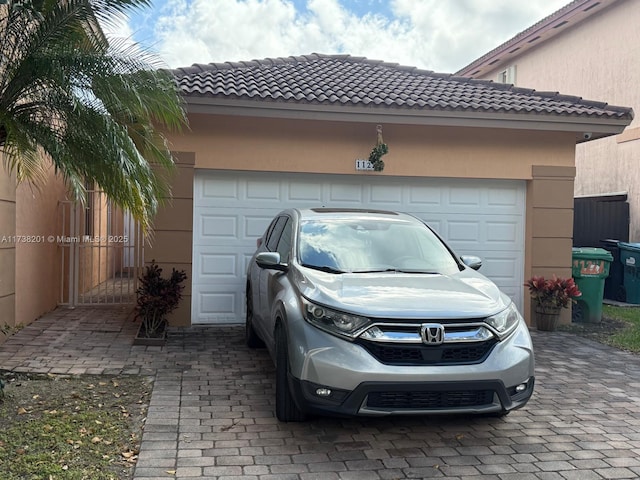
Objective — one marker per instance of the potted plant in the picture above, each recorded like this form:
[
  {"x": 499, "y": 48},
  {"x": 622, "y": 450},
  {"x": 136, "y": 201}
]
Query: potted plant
[
  {"x": 157, "y": 297},
  {"x": 550, "y": 296}
]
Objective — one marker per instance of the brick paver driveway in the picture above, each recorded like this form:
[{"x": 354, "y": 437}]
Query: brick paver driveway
[{"x": 211, "y": 412}]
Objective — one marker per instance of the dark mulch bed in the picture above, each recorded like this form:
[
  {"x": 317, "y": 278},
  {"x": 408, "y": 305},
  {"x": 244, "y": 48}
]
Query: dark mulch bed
[{"x": 598, "y": 331}]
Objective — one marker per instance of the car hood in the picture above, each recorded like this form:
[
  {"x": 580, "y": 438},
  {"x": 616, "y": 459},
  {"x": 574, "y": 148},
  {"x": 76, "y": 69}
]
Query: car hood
[{"x": 466, "y": 294}]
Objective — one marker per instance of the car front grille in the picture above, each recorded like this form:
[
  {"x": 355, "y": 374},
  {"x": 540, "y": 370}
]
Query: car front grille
[
  {"x": 447, "y": 354},
  {"x": 430, "y": 400}
]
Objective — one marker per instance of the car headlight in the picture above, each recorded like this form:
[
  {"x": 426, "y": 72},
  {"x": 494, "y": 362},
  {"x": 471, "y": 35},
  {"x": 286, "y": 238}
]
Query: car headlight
[
  {"x": 505, "y": 322},
  {"x": 334, "y": 322}
]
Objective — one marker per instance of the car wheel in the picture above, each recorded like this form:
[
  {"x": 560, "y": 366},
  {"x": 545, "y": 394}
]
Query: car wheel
[
  {"x": 251, "y": 337},
  {"x": 286, "y": 408}
]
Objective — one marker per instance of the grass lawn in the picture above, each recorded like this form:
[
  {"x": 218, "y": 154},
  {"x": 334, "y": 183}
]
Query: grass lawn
[
  {"x": 61, "y": 427},
  {"x": 619, "y": 328}
]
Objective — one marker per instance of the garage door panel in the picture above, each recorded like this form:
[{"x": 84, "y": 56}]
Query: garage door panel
[
  {"x": 503, "y": 234},
  {"x": 348, "y": 194},
  {"x": 501, "y": 269},
  {"x": 212, "y": 188},
  {"x": 218, "y": 265},
  {"x": 233, "y": 209},
  {"x": 382, "y": 196},
  {"x": 503, "y": 197},
  {"x": 421, "y": 196},
  {"x": 467, "y": 197},
  {"x": 217, "y": 227},
  {"x": 475, "y": 236},
  {"x": 461, "y": 233},
  {"x": 212, "y": 226},
  {"x": 263, "y": 189},
  {"x": 219, "y": 306},
  {"x": 304, "y": 191}
]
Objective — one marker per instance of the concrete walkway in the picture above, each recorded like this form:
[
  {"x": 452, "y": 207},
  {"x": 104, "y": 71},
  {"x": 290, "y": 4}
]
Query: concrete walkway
[{"x": 211, "y": 411}]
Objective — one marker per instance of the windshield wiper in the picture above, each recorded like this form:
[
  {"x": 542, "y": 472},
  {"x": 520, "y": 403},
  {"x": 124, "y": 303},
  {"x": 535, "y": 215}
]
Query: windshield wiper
[
  {"x": 398, "y": 270},
  {"x": 323, "y": 268}
]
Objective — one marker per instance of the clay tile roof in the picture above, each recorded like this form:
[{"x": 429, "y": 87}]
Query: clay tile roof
[{"x": 346, "y": 80}]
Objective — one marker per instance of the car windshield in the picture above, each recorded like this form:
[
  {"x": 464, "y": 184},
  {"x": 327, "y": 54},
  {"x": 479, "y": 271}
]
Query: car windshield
[{"x": 372, "y": 245}]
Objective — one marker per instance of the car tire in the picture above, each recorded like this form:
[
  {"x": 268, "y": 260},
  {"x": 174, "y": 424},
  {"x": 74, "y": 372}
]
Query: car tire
[
  {"x": 286, "y": 408},
  {"x": 251, "y": 337}
]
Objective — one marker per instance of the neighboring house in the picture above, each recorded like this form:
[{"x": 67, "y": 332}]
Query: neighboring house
[
  {"x": 489, "y": 166},
  {"x": 588, "y": 48}
]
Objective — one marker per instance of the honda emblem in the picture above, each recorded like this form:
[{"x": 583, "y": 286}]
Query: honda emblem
[{"x": 432, "y": 333}]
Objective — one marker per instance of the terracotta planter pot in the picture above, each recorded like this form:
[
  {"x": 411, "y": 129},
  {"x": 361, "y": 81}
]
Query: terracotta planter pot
[{"x": 547, "y": 318}]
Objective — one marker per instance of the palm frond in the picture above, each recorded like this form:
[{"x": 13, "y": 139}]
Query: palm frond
[{"x": 93, "y": 107}]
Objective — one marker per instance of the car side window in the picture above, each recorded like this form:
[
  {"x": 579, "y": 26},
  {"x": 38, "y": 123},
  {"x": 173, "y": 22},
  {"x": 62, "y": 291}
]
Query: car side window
[
  {"x": 284, "y": 245},
  {"x": 269, "y": 231},
  {"x": 276, "y": 232}
]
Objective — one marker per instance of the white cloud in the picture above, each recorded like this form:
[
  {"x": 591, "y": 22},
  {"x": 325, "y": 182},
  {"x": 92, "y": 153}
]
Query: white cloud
[
  {"x": 118, "y": 26},
  {"x": 433, "y": 34},
  {"x": 454, "y": 33}
]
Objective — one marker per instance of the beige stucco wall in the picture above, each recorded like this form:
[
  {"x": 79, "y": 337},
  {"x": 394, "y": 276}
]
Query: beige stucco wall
[
  {"x": 239, "y": 143},
  {"x": 171, "y": 241},
  {"x": 544, "y": 159},
  {"x": 549, "y": 226},
  {"x": 596, "y": 60},
  {"x": 7, "y": 248},
  {"x": 38, "y": 264}
]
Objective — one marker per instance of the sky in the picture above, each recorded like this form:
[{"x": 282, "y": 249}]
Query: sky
[{"x": 438, "y": 35}]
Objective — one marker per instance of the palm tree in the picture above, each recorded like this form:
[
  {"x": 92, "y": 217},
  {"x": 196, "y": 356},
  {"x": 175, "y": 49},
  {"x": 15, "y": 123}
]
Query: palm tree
[{"x": 92, "y": 107}]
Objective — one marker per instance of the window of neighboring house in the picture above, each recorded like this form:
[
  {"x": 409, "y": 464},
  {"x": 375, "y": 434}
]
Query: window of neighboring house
[{"x": 508, "y": 75}]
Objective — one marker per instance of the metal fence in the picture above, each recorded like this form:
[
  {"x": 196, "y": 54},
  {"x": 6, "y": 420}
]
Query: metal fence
[
  {"x": 101, "y": 252},
  {"x": 600, "y": 218}
]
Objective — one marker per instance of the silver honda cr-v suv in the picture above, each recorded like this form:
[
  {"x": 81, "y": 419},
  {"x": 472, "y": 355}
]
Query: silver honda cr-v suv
[{"x": 369, "y": 312}]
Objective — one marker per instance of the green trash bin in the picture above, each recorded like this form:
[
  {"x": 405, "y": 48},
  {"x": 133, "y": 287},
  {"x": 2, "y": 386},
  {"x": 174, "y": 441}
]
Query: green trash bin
[
  {"x": 630, "y": 259},
  {"x": 590, "y": 269}
]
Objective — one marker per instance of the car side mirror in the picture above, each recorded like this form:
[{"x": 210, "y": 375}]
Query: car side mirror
[
  {"x": 271, "y": 261},
  {"x": 471, "y": 261}
]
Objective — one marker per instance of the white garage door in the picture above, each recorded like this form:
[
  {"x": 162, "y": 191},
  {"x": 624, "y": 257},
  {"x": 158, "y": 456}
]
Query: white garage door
[{"x": 232, "y": 209}]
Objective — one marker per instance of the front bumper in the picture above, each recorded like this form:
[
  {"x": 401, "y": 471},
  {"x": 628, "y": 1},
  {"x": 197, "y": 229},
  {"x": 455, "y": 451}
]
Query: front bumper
[
  {"x": 362, "y": 385},
  {"x": 384, "y": 398}
]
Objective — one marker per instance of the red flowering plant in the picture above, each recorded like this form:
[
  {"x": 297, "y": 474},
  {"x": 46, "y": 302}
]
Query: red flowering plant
[{"x": 553, "y": 293}]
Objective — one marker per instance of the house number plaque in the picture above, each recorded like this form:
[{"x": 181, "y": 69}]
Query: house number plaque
[{"x": 362, "y": 164}]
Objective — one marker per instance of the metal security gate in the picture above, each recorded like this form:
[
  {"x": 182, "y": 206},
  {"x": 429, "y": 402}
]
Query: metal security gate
[{"x": 101, "y": 252}]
